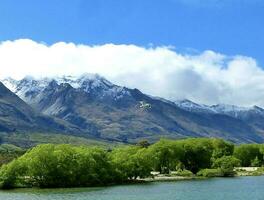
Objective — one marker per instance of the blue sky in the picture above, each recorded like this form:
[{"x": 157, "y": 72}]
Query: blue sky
[
  {"x": 230, "y": 27},
  {"x": 217, "y": 54}
]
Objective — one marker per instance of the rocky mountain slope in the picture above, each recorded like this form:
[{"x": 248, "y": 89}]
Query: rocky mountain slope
[
  {"x": 17, "y": 116},
  {"x": 102, "y": 109},
  {"x": 253, "y": 116}
]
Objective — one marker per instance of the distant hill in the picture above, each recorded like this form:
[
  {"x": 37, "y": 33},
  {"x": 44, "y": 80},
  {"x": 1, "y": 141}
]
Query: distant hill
[{"x": 91, "y": 106}]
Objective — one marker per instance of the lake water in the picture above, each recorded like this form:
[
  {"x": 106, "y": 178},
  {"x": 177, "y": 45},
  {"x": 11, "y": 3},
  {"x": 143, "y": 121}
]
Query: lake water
[{"x": 242, "y": 188}]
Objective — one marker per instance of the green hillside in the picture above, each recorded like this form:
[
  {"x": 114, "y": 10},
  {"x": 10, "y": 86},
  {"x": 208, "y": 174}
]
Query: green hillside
[{"x": 27, "y": 140}]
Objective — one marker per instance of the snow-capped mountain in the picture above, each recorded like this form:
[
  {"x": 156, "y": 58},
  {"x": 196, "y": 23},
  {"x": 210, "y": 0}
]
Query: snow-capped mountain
[
  {"x": 225, "y": 109},
  {"x": 194, "y": 107},
  {"x": 17, "y": 116},
  {"x": 29, "y": 88},
  {"x": 237, "y": 111},
  {"x": 108, "y": 111}
]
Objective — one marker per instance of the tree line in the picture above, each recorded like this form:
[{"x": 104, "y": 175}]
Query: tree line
[{"x": 50, "y": 165}]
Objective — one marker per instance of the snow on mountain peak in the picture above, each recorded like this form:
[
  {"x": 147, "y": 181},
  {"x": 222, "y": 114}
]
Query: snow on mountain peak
[
  {"x": 191, "y": 106},
  {"x": 93, "y": 81},
  {"x": 10, "y": 83},
  {"x": 29, "y": 86},
  {"x": 229, "y": 108},
  {"x": 226, "y": 109}
]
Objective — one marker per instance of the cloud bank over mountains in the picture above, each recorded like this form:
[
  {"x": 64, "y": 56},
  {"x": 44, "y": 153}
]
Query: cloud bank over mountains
[{"x": 208, "y": 77}]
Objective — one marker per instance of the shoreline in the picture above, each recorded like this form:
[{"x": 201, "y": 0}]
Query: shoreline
[
  {"x": 140, "y": 181},
  {"x": 195, "y": 177},
  {"x": 170, "y": 178}
]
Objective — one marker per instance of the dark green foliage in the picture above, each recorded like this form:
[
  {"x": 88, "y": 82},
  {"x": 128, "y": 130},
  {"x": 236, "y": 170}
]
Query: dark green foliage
[
  {"x": 197, "y": 154},
  {"x": 210, "y": 173},
  {"x": 58, "y": 166},
  {"x": 221, "y": 148},
  {"x": 66, "y": 165},
  {"x": 183, "y": 172},
  {"x": 11, "y": 173},
  {"x": 131, "y": 162},
  {"x": 256, "y": 162},
  {"x": 166, "y": 155},
  {"x": 190, "y": 154},
  {"x": 226, "y": 164},
  {"x": 249, "y": 154}
]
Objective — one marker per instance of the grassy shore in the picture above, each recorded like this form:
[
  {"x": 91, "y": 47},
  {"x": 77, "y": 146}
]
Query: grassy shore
[
  {"x": 249, "y": 171},
  {"x": 239, "y": 171},
  {"x": 169, "y": 178}
]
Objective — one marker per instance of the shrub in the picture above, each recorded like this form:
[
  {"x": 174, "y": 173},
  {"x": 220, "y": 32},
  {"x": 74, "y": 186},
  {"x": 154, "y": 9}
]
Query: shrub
[
  {"x": 249, "y": 154},
  {"x": 210, "y": 173},
  {"x": 58, "y": 166},
  {"x": 184, "y": 172},
  {"x": 226, "y": 162}
]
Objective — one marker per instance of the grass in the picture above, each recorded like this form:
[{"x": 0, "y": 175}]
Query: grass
[{"x": 27, "y": 140}]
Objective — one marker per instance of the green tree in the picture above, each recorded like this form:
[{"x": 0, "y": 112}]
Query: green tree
[
  {"x": 198, "y": 154},
  {"x": 131, "y": 162},
  {"x": 247, "y": 153},
  {"x": 227, "y": 164},
  {"x": 221, "y": 148},
  {"x": 256, "y": 162},
  {"x": 59, "y": 166},
  {"x": 11, "y": 175},
  {"x": 166, "y": 155}
]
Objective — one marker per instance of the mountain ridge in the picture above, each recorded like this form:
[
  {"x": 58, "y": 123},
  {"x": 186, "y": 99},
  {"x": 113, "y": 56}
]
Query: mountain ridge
[
  {"x": 102, "y": 109},
  {"x": 16, "y": 115},
  {"x": 216, "y": 108}
]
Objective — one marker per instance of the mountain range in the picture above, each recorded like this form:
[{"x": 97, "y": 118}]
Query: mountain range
[
  {"x": 16, "y": 115},
  {"x": 91, "y": 106}
]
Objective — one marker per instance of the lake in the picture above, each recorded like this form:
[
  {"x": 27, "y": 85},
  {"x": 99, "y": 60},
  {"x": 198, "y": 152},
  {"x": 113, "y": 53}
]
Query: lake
[{"x": 242, "y": 188}]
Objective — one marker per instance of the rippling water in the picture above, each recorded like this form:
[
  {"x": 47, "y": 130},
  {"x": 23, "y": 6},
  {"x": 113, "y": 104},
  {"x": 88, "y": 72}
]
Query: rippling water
[{"x": 242, "y": 188}]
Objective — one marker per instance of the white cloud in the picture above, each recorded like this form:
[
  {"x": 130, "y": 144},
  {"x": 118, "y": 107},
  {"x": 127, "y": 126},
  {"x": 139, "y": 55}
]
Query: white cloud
[{"x": 208, "y": 78}]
